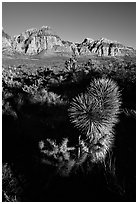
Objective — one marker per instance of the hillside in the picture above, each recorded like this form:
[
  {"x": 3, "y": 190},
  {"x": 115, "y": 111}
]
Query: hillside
[{"x": 45, "y": 42}]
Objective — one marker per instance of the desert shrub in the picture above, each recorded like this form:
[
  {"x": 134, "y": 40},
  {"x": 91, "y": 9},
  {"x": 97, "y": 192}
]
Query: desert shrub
[
  {"x": 10, "y": 78},
  {"x": 72, "y": 142},
  {"x": 58, "y": 155},
  {"x": 71, "y": 64},
  {"x": 44, "y": 96},
  {"x": 95, "y": 113},
  {"x": 97, "y": 109},
  {"x": 11, "y": 189}
]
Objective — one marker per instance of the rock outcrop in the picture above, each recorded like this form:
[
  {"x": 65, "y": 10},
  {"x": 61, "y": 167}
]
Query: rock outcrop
[
  {"x": 6, "y": 44},
  {"x": 103, "y": 47},
  {"x": 44, "y": 41},
  {"x": 33, "y": 42}
]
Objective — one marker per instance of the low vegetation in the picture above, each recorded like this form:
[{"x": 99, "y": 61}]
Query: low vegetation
[{"x": 69, "y": 128}]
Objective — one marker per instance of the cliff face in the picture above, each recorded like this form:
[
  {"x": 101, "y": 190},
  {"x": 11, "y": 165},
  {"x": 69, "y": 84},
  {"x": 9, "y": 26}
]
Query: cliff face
[
  {"x": 46, "y": 42},
  {"x": 6, "y": 44},
  {"x": 103, "y": 47},
  {"x": 33, "y": 42}
]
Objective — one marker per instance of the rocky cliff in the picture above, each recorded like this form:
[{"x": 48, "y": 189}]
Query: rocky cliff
[
  {"x": 6, "y": 44},
  {"x": 44, "y": 41},
  {"x": 103, "y": 47}
]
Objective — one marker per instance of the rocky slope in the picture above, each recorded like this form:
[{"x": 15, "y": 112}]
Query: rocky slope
[
  {"x": 103, "y": 47},
  {"x": 6, "y": 44},
  {"x": 44, "y": 42}
]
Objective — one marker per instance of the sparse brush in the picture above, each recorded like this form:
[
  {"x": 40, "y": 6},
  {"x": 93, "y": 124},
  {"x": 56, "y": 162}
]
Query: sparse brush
[
  {"x": 44, "y": 96},
  {"x": 10, "y": 186}
]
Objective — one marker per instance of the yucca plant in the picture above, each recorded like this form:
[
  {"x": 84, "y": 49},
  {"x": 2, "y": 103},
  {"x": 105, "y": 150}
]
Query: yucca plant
[
  {"x": 107, "y": 97},
  {"x": 95, "y": 113}
]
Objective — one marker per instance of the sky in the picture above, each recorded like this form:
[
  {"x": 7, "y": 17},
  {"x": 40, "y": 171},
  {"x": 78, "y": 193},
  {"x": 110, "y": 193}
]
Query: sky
[{"x": 74, "y": 21}]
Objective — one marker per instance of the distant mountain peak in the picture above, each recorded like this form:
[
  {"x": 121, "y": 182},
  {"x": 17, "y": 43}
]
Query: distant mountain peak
[
  {"x": 6, "y": 44},
  {"x": 4, "y": 34},
  {"x": 105, "y": 40},
  {"x": 31, "y": 30},
  {"x": 44, "y": 41},
  {"x": 88, "y": 40},
  {"x": 46, "y": 27},
  {"x": 43, "y": 31}
]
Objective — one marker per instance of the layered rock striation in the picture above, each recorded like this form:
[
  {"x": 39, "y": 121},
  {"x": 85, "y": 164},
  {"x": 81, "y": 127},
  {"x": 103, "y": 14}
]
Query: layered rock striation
[
  {"x": 103, "y": 47},
  {"x": 45, "y": 41}
]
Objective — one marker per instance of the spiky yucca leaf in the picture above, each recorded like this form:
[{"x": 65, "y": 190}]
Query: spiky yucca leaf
[
  {"x": 108, "y": 96},
  {"x": 95, "y": 112}
]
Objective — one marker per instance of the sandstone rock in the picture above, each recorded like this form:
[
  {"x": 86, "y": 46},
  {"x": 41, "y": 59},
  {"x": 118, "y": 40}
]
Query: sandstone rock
[
  {"x": 6, "y": 44},
  {"x": 35, "y": 41},
  {"x": 45, "y": 41},
  {"x": 105, "y": 47}
]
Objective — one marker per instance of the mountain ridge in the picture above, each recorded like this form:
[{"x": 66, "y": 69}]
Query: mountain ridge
[{"x": 45, "y": 42}]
